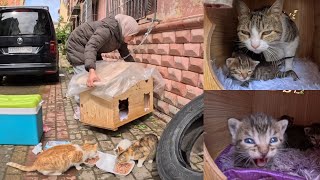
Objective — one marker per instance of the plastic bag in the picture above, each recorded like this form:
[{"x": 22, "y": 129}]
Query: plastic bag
[{"x": 116, "y": 78}]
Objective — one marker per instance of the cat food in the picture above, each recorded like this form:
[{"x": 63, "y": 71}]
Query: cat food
[
  {"x": 92, "y": 161},
  {"x": 122, "y": 168}
]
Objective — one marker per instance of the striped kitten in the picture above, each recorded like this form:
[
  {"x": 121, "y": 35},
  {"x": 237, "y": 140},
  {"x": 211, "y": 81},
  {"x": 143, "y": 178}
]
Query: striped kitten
[
  {"x": 257, "y": 139},
  {"x": 141, "y": 150},
  {"x": 242, "y": 68},
  {"x": 313, "y": 134},
  {"x": 268, "y": 31}
]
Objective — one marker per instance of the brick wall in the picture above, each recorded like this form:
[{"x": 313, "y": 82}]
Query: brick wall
[{"x": 178, "y": 56}]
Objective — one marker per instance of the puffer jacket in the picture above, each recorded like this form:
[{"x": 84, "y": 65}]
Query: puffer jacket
[{"x": 86, "y": 43}]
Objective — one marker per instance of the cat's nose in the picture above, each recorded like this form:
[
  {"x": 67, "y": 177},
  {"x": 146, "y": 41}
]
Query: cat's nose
[
  {"x": 255, "y": 43},
  {"x": 255, "y": 46}
]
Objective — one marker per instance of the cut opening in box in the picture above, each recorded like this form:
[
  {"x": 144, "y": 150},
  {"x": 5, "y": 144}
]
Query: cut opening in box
[
  {"x": 123, "y": 109},
  {"x": 146, "y": 102},
  {"x": 222, "y": 105},
  {"x": 221, "y": 30}
]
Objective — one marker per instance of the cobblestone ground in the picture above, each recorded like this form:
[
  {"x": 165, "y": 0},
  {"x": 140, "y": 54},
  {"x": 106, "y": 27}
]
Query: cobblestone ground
[{"x": 58, "y": 115}]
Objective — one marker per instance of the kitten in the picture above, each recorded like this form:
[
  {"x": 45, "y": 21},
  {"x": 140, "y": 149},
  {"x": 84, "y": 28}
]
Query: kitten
[
  {"x": 268, "y": 31},
  {"x": 58, "y": 159},
  {"x": 122, "y": 146},
  {"x": 257, "y": 139},
  {"x": 313, "y": 134},
  {"x": 144, "y": 148},
  {"x": 295, "y": 135},
  {"x": 242, "y": 68}
]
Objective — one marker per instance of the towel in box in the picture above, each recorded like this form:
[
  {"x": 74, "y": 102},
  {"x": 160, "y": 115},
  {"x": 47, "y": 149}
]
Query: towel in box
[{"x": 20, "y": 119}]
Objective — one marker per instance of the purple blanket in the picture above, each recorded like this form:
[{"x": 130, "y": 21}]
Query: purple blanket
[{"x": 291, "y": 164}]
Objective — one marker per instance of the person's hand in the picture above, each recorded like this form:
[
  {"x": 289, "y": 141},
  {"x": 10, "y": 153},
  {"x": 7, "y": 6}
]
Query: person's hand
[{"x": 92, "y": 78}]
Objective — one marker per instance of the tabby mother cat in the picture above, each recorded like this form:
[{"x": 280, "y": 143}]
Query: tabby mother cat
[
  {"x": 268, "y": 31},
  {"x": 257, "y": 139}
]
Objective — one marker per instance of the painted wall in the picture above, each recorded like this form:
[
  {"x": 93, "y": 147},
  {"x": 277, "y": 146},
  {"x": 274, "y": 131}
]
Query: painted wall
[
  {"x": 14, "y": 2},
  {"x": 171, "y": 9},
  {"x": 63, "y": 12}
]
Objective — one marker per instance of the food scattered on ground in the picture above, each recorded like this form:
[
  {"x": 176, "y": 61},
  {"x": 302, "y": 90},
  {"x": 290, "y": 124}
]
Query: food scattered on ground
[
  {"x": 123, "y": 168},
  {"x": 92, "y": 161}
]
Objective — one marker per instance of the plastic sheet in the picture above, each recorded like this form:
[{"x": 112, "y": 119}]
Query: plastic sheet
[{"x": 116, "y": 78}]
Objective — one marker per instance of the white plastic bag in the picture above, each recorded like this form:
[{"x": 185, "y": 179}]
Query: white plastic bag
[{"x": 116, "y": 78}]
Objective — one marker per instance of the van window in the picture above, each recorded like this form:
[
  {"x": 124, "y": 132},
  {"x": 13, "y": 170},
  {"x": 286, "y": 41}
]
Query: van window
[{"x": 24, "y": 22}]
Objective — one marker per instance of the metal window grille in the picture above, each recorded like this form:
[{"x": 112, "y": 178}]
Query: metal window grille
[{"x": 138, "y": 9}]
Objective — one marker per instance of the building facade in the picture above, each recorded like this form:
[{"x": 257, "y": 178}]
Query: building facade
[
  {"x": 174, "y": 47},
  {"x": 12, "y": 2}
]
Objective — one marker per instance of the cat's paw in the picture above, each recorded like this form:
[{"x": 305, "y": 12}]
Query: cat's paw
[
  {"x": 150, "y": 161},
  {"x": 292, "y": 74},
  {"x": 139, "y": 165},
  {"x": 78, "y": 167},
  {"x": 245, "y": 84}
]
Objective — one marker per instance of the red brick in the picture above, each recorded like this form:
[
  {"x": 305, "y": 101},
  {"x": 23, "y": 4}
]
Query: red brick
[
  {"x": 168, "y": 84},
  {"x": 201, "y": 80},
  {"x": 146, "y": 58},
  {"x": 143, "y": 49},
  {"x": 181, "y": 101},
  {"x": 196, "y": 65},
  {"x": 149, "y": 39},
  {"x": 197, "y": 36},
  {"x": 157, "y": 38},
  {"x": 174, "y": 74},
  {"x": 193, "y": 92},
  {"x": 163, "y": 49},
  {"x": 169, "y": 37},
  {"x": 178, "y": 88},
  {"x": 190, "y": 78},
  {"x": 192, "y": 50},
  {"x": 181, "y": 62},
  {"x": 151, "y": 66},
  {"x": 137, "y": 39},
  {"x": 173, "y": 110},
  {"x": 163, "y": 107},
  {"x": 170, "y": 98},
  {"x": 138, "y": 58},
  {"x": 176, "y": 49},
  {"x": 155, "y": 59},
  {"x": 202, "y": 50},
  {"x": 163, "y": 71},
  {"x": 167, "y": 61},
  {"x": 152, "y": 48},
  {"x": 183, "y": 36}
]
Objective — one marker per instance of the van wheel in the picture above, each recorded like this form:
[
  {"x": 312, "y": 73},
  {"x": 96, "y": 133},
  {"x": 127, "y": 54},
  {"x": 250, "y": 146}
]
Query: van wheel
[
  {"x": 177, "y": 140},
  {"x": 54, "y": 78}
]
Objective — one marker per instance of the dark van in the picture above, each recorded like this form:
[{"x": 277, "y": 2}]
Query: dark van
[{"x": 28, "y": 44}]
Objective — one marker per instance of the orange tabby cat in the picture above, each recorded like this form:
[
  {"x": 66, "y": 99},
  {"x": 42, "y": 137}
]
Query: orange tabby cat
[
  {"x": 58, "y": 159},
  {"x": 144, "y": 148}
]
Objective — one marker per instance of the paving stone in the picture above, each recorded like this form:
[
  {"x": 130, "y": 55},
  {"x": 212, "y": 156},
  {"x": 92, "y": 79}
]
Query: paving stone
[
  {"x": 101, "y": 137},
  {"x": 77, "y": 142},
  {"x": 1, "y": 175},
  {"x": 141, "y": 173},
  {"x": 150, "y": 166},
  {"x": 115, "y": 140},
  {"x": 107, "y": 176},
  {"x": 12, "y": 177},
  {"x": 4, "y": 157},
  {"x": 14, "y": 171},
  {"x": 106, "y": 145},
  {"x": 86, "y": 175},
  {"x": 128, "y": 177}
]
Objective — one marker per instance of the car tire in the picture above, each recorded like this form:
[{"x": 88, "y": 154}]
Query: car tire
[
  {"x": 186, "y": 126},
  {"x": 53, "y": 78}
]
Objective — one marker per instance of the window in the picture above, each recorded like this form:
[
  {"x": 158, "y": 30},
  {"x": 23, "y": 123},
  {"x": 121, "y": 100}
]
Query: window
[
  {"x": 24, "y": 22},
  {"x": 138, "y": 9}
]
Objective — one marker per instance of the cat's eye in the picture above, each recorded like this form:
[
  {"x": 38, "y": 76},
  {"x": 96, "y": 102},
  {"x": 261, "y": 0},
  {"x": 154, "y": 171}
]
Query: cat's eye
[
  {"x": 249, "y": 71},
  {"x": 273, "y": 140},
  {"x": 265, "y": 33},
  {"x": 249, "y": 141},
  {"x": 245, "y": 32}
]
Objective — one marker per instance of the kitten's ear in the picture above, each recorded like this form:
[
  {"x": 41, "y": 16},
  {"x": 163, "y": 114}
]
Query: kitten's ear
[
  {"x": 307, "y": 130},
  {"x": 255, "y": 63},
  {"x": 277, "y": 7},
  {"x": 230, "y": 61},
  {"x": 233, "y": 125},
  {"x": 283, "y": 125},
  {"x": 242, "y": 8}
]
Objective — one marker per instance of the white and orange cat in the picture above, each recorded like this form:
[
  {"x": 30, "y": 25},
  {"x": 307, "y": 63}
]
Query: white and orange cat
[
  {"x": 141, "y": 150},
  {"x": 58, "y": 159}
]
